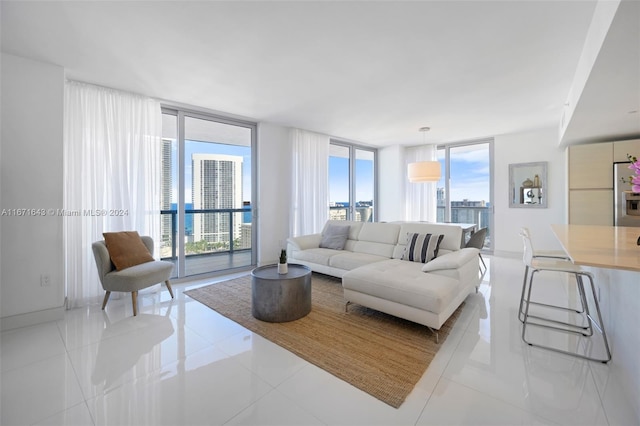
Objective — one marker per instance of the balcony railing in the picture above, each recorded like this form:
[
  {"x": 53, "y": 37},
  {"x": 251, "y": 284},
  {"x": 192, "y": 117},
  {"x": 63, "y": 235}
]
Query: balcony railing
[
  {"x": 459, "y": 214},
  {"x": 469, "y": 214},
  {"x": 363, "y": 214},
  {"x": 203, "y": 247}
]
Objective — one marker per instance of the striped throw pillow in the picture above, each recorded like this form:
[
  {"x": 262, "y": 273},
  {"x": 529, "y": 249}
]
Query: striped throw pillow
[{"x": 422, "y": 247}]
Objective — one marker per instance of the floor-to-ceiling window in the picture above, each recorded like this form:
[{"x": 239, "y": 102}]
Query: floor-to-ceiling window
[
  {"x": 352, "y": 182},
  {"x": 207, "y": 192},
  {"x": 465, "y": 189}
]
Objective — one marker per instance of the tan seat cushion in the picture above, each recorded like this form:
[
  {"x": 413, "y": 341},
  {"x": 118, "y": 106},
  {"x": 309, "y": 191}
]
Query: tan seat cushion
[{"x": 126, "y": 249}]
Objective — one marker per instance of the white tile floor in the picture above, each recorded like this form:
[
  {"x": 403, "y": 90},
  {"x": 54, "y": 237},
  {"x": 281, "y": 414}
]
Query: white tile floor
[{"x": 178, "y": 363}]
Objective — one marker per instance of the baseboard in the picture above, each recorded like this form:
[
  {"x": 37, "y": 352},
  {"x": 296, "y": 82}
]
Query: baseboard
[{"x": 31, "y": 318}]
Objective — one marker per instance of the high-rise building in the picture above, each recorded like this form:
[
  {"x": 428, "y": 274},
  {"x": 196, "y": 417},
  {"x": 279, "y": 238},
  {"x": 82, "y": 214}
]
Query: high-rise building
[
  {"x": 216, "y": 184},
  {"x": 245, "y": 238},
  {"x": 166, "y": 192}
]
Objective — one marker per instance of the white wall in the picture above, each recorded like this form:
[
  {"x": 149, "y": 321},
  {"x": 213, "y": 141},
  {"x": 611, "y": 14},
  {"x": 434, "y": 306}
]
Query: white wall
[
  {"x": 539, "y": 145},
  {"x": 32, "y": 177},
  {"x": 392, "y": 179},
  {"x": 274, "y": 190}
]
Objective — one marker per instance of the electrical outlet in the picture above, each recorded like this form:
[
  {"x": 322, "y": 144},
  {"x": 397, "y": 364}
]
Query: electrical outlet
[{"x": 45, "y": 280}]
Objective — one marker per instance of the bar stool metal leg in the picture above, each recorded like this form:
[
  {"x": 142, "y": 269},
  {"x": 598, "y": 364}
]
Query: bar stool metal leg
[
  {"x": 569, "y": 309},
  {"x": 591, "y": 321}
]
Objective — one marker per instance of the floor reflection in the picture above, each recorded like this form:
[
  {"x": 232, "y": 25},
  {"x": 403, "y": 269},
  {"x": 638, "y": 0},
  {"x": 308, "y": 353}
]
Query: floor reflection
[{"x": 120, "y": 353}]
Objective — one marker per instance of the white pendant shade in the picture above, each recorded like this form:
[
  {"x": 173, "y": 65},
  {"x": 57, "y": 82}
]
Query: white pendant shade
[{"x": 424, "y": 171}]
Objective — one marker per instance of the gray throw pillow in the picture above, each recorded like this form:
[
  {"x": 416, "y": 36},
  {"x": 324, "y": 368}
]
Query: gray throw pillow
[{"x": 335, "y": 237}]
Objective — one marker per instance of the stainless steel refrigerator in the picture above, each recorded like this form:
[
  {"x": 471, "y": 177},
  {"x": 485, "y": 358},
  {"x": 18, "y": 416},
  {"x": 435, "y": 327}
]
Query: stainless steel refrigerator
[{"x": 626, "y": 210}]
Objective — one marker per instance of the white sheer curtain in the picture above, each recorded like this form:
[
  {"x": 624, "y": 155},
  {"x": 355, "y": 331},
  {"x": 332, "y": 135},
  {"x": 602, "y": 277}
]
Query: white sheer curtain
[
  {"x": 112, "y": 177},
  {"x": 421, "y": 198},
  {"x": 310, "y": 182}
]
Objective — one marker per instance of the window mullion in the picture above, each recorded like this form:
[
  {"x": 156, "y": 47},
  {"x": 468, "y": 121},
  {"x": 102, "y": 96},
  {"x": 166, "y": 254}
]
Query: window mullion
[{"x": 181, "y": 195}]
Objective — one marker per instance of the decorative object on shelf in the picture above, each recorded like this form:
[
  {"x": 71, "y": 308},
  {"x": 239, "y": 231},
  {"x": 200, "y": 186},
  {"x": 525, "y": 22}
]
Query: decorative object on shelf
[
  {"x": 525, "y": 191},
  {"x": 283, "y": 268}
]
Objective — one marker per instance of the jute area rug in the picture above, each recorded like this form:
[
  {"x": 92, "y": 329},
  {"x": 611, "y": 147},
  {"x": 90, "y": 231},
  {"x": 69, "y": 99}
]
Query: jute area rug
[{"x": 378, "y": 353}]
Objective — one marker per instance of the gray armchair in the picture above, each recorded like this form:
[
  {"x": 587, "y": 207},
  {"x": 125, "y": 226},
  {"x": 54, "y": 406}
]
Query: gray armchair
[{"x": 130, "y": 279}]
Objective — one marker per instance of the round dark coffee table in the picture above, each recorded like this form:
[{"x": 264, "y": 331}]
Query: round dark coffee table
[{"x": 280, "y": 297}]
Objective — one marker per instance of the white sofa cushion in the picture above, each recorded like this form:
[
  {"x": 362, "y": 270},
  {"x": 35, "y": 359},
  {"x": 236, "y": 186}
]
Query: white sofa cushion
[
  {"x": 403, "y": 282},
  {"x": 348, "y": 260},
  {"x": 320, "y": 256},
  {"x": 376, "y": 232},
  {"x": 378, "y": 249}
]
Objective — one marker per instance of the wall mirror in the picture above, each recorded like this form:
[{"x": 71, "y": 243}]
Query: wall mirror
[{"x": 528, "y": 185}]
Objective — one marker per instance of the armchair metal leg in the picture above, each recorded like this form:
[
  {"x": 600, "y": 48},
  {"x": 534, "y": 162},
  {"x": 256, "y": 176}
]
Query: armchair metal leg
[
  {"x": 134, "y": 300},
  {"x": 106, "y": 299},
  {"x": 169, "y": 288}
]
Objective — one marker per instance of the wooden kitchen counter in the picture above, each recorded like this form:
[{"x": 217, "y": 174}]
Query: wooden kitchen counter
[{"x": 613, "y": 247}]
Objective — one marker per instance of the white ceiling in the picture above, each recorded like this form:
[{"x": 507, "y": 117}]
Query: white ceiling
[{"x": 373, "y": 72}]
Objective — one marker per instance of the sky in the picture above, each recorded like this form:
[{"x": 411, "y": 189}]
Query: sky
[
  {"x": 339, "y": 180},
  {"x": 469, "y": 172},
  {"x": 469, "y": 176}
]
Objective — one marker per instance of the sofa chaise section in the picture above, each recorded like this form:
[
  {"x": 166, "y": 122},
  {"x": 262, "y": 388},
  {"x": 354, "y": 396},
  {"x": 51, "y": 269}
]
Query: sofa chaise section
[{"x": 426, "y": 295}]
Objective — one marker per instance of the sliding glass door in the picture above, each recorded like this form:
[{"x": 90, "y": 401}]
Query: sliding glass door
[
  {"x": 465, "y": 189},
  {"x": 207, "y": 220}
]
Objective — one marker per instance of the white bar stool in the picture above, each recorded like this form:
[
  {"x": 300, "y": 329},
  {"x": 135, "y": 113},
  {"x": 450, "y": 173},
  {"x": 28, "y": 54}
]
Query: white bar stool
[
  {"x": 545, "y": 254},
  {"x": 537, "y": 264}
]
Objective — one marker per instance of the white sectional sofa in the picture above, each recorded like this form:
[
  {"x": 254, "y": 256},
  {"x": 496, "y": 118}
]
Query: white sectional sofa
[{"x": 374, "y": 274}]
